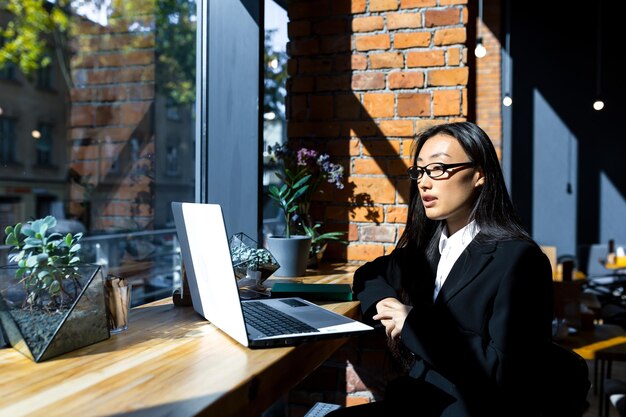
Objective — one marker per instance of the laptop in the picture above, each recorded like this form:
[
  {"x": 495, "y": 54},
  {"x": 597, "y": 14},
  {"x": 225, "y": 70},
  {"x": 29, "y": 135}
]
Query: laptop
[{"x": 215, "y": 295}]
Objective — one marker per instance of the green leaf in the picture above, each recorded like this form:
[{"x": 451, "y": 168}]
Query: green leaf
[
  {"x": 31, "y": 261},
  {"x": 47, "y": 281},
  {"x": 301, "y": 181},
  {"x": 55, "y": 287},
  {"x": 75, "y": 248},
  {"x": 11, "y": 240},
  {"x": 42, "y": 258},
  {"x": 20, "y": 273}
]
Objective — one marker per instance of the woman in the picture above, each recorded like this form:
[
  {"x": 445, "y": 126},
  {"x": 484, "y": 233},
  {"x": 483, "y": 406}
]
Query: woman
[{"x": 466, "y": 297}]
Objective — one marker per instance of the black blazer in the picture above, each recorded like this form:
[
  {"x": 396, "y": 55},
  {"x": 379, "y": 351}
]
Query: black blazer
[{"x": 485, "y": 339}]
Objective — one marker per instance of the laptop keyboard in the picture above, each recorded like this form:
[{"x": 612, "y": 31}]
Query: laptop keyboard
[{"x": 272, "y": 322}]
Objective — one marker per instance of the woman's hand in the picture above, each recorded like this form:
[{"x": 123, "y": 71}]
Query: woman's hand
[{"x": 392, "y": 314}]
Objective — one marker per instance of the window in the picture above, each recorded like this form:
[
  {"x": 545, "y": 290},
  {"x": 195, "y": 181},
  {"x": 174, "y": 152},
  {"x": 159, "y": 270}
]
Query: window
[
  {"x": 274, "y": 118},
  {"x": 172, "y": 161},
  {"x": 105, "y": 131},
  {"x": 44, "y": 77},
  {"x": 44, "y": 140},
  {"x": 7, "y": 140},
  {"x": 125, "y": 87},
  {"x": 7, "y": 71}
]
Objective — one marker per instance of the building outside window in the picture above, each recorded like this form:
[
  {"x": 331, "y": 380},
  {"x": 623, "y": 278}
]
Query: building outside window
[{"x": 107, "y": 129}]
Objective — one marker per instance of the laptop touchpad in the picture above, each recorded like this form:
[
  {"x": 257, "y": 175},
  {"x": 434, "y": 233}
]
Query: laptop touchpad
[{"x": 293, "y": 303}]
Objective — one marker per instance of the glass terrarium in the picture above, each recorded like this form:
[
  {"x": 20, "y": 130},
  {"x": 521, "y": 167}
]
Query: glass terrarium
[
  {"x": 251, "y": 261},
  {"x": 41, "y": 326}
]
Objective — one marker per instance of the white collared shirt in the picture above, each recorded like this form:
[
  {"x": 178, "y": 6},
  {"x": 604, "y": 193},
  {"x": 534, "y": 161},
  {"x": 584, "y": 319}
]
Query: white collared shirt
[{"x": 451, "y": 249}]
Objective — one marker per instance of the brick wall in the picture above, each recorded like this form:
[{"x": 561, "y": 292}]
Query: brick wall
[
  {"x": 364, "y": 77},
  {"x": 111, "y": 140}
]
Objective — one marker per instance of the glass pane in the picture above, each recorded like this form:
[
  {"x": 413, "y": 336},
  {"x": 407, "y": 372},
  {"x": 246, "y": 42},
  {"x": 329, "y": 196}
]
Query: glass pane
[
  {"x": 97, "y": 128},
  {"x": 274, "y": 118}
]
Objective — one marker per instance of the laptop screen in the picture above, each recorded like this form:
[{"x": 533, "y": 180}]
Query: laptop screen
[{"x": 206, "y": 255}]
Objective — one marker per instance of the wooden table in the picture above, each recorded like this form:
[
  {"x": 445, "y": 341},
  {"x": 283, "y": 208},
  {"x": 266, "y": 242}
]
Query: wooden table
[{"x": 170, "y": 362}]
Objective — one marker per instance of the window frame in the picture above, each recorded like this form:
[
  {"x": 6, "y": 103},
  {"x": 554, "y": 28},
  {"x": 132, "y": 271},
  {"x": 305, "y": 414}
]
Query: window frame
[{"x": 228, "y": 121}]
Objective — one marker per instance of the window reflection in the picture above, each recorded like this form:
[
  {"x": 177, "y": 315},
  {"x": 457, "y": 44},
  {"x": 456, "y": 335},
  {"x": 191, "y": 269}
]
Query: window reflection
[
  {"x": 97, "y": 128},
  {"x": 274, "y": 117}
]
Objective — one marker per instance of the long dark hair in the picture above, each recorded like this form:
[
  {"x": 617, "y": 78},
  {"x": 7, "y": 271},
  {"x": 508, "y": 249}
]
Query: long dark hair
[{"x": 493, "y": 210}]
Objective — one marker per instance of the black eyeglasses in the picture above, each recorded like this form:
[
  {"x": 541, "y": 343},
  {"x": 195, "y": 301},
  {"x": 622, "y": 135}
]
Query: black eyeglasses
[{"x": 434, "y": 170}]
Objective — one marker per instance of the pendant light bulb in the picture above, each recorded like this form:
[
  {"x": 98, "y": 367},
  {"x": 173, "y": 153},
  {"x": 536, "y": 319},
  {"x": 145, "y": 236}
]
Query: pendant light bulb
[
  {"x": 598, "y": 105},
  {"x": 507, "y": 100},
  {"x": 480, "y": 50}
]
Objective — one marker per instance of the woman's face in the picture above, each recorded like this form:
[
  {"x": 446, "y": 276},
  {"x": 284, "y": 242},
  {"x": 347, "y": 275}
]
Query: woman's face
[{"x": 449, "y": 197}]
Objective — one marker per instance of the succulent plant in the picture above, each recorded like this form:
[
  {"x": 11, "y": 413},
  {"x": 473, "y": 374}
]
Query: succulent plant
[{"x": 45, "y": 259}]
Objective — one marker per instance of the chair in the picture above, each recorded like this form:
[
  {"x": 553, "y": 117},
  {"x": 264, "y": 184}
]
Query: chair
[
  {"x": 615, "y": 391},
  {"x": 568, "y": 383}
]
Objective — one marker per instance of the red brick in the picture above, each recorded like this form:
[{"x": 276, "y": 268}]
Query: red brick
[
  {"x": 302, "y": 84},
  {"x": 368, "y": 43},
  {"x": 360, "y": 129},
  {"x": 378, "y": 104},
  {"x": 321, "y": 107},
  {"x": 333, "y": 83},
  {"x": 379, "y": 233},
  {"x": 307, "y": 9},
  {"x": 396, "y": 127},
  {"x": 448, "y": 77},
  {"x": 292, "y": 67},
  {"x": 446, "y": 102},
  {"x": 405, "y": 80},
  {"x": 431, "y": 58},
  {"x": 368, "y": 81},
  {"x": 383, "y": 5},
  {"x": 370, "y": 214},
  {"x": 444, "y": 17},
  {"x": 298, "y": 29},
  {"x": 359, "y": 62},
  {"x": 315, "y": 65},
  {"x": 302, "y": 47},
  {"x": 397, "y": 214},
  {"x": 348, "y": 6},
  {"x": 369, "y": 167},
  {"x": 334, "y": 44},
  {"x": 83, "y": 115},
  {"x": 411, "y": 40},
  {"x": 398, "y": 167},
  {"x": 365, "y": 252},
  {"x": 417, "y": 104},
  {"x": 403, "y": 20},
  {"x": 450, "y": 36},
  {"x": 367, "y": 24},
  {"x": 347, "y": 107},
  {"x": 454, "y": 56},
  {"x": 403, "y": 188},
  {"x": 386, "y": 60},
  {"x": 410, "y": 4},
  {"x": 384, "y": 147},
  {"x": 331, "y": 27},
  {"x": 380, "y": 190}
]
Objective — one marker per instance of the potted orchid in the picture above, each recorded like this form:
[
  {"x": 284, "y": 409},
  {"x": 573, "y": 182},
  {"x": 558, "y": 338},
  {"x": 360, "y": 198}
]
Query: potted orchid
[{"x": 303, "y": 172}]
